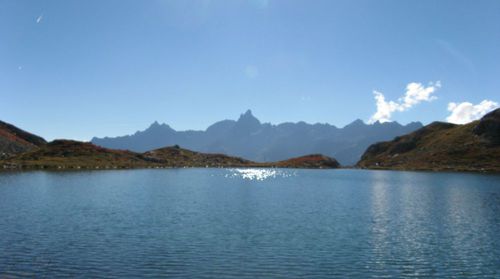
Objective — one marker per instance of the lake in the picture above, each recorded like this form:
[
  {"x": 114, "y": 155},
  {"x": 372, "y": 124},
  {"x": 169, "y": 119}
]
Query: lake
[{"x": 249, "y": 223}]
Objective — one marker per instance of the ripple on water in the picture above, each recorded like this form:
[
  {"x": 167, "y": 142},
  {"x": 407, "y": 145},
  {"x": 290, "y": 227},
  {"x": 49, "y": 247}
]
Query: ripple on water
[{"x": 212, "y": 223}]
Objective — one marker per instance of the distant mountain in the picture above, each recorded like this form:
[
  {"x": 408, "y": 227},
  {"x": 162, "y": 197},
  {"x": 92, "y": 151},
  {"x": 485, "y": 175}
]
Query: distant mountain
[
  {"x": 250, "y": 139},
  {"x": 441, "y": 146},
  {"x": 14, "y": 140}
]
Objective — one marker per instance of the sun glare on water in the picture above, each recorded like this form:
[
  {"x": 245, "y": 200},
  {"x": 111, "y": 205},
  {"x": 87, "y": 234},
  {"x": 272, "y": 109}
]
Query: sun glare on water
[{"x": 258, "y": 174}]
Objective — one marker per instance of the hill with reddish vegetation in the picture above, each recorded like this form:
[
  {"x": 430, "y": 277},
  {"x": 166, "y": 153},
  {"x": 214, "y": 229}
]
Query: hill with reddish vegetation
[
  {"x": 175, "y": 156},
  {"x": 14, "y": 140},
  {"x": 314, "y": 161},
  {"x": 441, "y": 146},
  {"x": 69, "y": 154}
]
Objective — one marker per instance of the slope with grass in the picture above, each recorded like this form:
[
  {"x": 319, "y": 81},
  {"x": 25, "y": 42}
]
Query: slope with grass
[
  {"x": 68, "y": 154},
  {"x": 14, "y": 140},
  {"x": 313, "y": 161},
  {"x": 441, "y": 146},
  {"x": 174, "y": 156}
]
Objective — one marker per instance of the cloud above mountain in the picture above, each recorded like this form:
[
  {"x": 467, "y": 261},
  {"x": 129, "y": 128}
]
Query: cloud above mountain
[
  {"x": 466, "y": 112},
  {"x": 415, "y": 94}
]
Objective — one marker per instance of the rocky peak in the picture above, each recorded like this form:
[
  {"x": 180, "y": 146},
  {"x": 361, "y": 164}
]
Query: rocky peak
[{"x": 248, "y": 122}]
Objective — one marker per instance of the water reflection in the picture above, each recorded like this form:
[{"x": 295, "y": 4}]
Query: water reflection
[
  {"x": 421, "y": 217},
  {"x": 259, "y": 174},
  {"x": 380, "y": 221},
  {"x": 193, "y": 223}
]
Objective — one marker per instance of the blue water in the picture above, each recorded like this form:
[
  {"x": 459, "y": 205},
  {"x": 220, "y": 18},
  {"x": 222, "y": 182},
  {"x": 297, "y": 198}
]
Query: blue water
[{"x": 219, "y": 223}]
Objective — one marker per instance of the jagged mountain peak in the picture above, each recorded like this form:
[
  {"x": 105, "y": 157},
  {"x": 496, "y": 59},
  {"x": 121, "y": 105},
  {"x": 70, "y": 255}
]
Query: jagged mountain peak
[
  {"x": 248, "y": 116},
  {"x": 248, "y": 112},
  {"x": 247, "y": 122},
  {"x": 157, "y": 126}
]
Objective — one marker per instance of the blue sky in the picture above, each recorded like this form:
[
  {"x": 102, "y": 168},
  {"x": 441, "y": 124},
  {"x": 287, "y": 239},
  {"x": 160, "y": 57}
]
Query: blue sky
[{"x": 77, "y": 69}]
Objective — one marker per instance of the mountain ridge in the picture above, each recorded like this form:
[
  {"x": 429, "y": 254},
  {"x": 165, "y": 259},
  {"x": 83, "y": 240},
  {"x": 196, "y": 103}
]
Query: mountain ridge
[{"x": 251, "y": 139}]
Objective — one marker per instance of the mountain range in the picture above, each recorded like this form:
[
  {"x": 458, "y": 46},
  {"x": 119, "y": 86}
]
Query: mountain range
[
  {"x": 248, "y": 138},
  {"x": 438, "y": 146},
  {"x": 23, "y": 150}
]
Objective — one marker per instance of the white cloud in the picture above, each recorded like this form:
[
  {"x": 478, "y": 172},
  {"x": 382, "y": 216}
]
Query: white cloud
[
  {"x": 384, "y": 108},
  {"x": 251, "y": 71},
  {"x": 415, "y": 94},
  {"x": 39, "y": 18},
  {"x": 467, "y": 112}
]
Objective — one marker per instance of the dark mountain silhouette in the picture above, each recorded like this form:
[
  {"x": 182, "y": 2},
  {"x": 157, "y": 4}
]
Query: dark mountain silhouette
[
  {"x": 14, "y": 140},
  {"x": 441, "y": 146},
  {"x": 250, "y": 139}
]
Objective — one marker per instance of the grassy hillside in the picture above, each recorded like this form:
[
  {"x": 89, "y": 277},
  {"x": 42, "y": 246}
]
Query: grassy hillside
[
  {"x": 75, "y": 155},
  {"x": 441, "y": 146},
  {"x": 14, "y": 140},
  {"x": 178, "y": 157},
  {"x": 314, "y": 161},
  {"x": 68, "y": 154}
]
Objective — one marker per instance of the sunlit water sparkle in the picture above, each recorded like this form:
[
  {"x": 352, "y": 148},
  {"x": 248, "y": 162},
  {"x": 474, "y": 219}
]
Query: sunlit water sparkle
[{"x": 259, "y": 174}]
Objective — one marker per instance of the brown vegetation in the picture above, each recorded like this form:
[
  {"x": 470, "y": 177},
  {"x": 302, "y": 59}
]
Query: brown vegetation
[
  {"x": 441, "y": 146},
  {"x": 14, "y": 140},
  {"x": 68, "y": 154}
]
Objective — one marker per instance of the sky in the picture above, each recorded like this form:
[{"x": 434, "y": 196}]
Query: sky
[{"x": 79, "y": 69}]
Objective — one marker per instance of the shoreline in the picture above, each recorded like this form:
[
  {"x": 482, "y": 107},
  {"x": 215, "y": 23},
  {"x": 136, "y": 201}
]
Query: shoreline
[{"x": 98, "y": 168}]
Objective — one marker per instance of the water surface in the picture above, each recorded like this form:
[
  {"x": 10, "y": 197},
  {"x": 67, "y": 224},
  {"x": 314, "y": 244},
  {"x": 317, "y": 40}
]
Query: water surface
[{"x": 218, "y": 223}]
